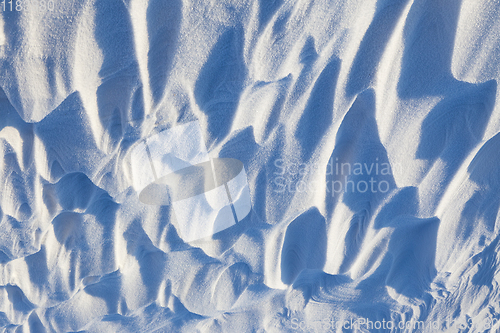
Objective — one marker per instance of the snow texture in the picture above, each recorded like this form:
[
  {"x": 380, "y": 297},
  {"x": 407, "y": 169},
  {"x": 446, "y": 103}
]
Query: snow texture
[{"x": 369, "y": 132}]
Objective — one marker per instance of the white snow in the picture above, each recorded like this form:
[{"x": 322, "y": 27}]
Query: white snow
[{"x": 370, "y": 190}]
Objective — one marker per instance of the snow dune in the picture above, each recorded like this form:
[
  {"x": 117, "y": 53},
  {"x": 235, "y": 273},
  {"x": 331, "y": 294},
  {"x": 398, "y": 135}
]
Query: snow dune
[{"x": 369, "y": 137}]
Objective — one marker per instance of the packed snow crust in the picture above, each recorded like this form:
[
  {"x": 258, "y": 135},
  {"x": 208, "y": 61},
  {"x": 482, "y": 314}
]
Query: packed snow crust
[{"x": 369, "y": 132}]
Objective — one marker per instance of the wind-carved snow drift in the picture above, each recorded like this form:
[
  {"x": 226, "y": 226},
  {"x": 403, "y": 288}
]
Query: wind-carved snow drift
[{"x": 367, "y": 133}]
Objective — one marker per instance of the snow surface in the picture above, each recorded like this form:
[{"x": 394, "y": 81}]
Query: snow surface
[{"x": 317, "y": 99}]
